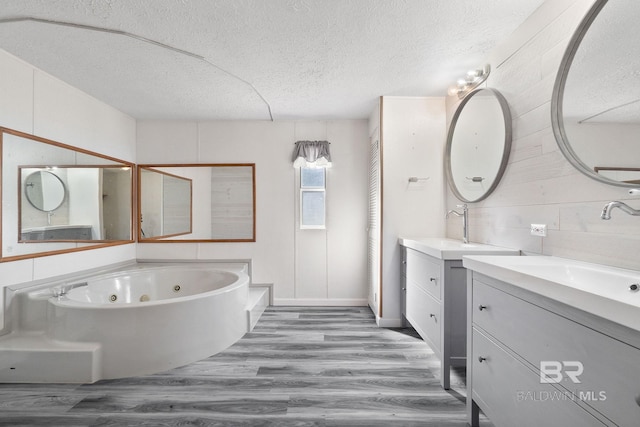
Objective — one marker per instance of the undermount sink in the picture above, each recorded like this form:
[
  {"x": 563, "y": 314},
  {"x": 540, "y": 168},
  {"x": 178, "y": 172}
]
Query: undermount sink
[
  {"x": 609, "y": 292},
  {"x": 448, "y": 249}
]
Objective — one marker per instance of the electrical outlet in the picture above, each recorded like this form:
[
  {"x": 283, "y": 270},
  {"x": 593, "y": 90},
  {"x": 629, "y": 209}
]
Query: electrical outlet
[{"x": 539, "y": 230}]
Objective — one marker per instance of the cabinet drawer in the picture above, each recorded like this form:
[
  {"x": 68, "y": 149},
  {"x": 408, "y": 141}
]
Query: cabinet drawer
[
  {"x": 511, "y": 394},
  {"x": 423, "y": 312},
  {"x": 610, "y": 377},
  {"x": 424, "y": 271}
]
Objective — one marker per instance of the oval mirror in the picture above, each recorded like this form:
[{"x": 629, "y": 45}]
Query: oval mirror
[
  {"x": 595, "y": 108},
  {"x": 44, "y": 190},
  {"x": 478, "y": 145}
]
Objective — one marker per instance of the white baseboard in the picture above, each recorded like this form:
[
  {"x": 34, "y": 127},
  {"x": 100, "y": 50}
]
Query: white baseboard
[
  {"x": 389, "y": 323},
  {"x": 316, "y": 302}
]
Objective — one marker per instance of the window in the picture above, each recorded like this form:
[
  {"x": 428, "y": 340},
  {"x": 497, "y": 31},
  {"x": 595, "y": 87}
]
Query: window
[{"x": 312, "y": 197}]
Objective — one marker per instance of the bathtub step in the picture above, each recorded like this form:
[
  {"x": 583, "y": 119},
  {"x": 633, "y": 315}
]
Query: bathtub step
[
  {"x": 259, "y": 297},
  {"x": 34, "y": 358}
]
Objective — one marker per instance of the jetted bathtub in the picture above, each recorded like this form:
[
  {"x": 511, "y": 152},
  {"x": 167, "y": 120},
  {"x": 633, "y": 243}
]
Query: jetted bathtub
[{"x": 142, "y": 320}]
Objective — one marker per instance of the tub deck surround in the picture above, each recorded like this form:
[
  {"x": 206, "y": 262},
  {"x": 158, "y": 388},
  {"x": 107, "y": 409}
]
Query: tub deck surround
[
  {"x": 133, "y": 320},
  {"x": 604, "y": 291}
]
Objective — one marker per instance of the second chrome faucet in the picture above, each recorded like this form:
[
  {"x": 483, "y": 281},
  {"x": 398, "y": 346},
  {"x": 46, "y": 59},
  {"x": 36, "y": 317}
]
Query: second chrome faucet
[
  {"x": 606, "y": 211},
  {"x": 465, "y": 220}
]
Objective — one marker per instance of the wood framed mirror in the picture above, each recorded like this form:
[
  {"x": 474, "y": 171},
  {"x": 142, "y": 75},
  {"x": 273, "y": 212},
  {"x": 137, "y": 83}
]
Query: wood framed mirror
[
  {"x": 57, "y": 198},
  {"x": 196, "y": 203}
]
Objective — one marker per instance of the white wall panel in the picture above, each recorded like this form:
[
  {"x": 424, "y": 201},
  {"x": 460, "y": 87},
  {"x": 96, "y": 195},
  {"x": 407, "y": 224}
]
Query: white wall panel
[
  {"x": 16, "y": 93},
  {"x": 65, "y": 114},
  {"x": 413, "y": 139},
  {"x": 301, "y": 267},
  {"x": 167, "y": 251},
  {"x": 68, "y": 263},
  {"x": 167, "y": 142},
  {"x": 347, "y": 186}
]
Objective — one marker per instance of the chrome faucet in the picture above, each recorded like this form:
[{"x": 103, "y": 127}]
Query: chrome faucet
[
  {"x": 465, "y": 221},
  {"x": 62, "y": 290},
  {"x": 606, "y": 211}
]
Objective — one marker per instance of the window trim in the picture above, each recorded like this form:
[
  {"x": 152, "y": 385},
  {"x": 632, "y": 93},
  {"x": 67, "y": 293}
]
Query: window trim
[{"x": 312, "y": 189}]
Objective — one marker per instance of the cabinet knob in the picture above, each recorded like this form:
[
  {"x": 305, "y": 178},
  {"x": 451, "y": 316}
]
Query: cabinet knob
[
  {"x": 482, "y": 307},
  {"x": 481, "y": 359},
  {"x": 432, "y": 315},
  {"x": 404, "y": 262},
  {"x": 433, "y": 279}
]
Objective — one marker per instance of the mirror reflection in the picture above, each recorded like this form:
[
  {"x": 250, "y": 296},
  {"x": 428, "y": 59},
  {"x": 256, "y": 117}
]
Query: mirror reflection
[
  {"x": 165, "y": 208},
  {"x": 58, "y": 198},
  {"x": 222, "y": 208},
  {"x": 478, "y": 145},
  {"x": 596, "y": 103},
  {"x": 74, "y": 203},
  {"x": 44, "y": 190}
]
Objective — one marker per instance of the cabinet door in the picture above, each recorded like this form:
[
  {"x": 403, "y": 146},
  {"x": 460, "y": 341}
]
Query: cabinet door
[
  {"x": 424, "y": 271},
  {"x": 607, "y": 370},
  {"x": 511, "y": 394},
  {"x": 423, "y": 312}
]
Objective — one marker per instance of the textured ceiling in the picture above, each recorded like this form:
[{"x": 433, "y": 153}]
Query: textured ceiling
[
  {"x": 603, "y": 82},
  {"x": 317, "y": 59}
]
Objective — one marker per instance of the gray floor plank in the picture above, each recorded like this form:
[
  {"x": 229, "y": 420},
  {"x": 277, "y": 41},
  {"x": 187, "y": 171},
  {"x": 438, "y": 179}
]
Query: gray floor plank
[{"x": 300, "y": 366}]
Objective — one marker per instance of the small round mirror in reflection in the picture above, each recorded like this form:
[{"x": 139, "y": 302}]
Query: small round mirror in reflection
[{"x": 44, "y": 190}]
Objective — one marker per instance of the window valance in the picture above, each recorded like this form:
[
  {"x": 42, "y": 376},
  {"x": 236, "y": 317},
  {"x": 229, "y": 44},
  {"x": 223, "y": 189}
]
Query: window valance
[{"x": 311, "y": 154}]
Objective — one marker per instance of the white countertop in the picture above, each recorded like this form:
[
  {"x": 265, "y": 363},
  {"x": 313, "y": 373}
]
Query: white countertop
[
  {"x": 449, "y": 249},
  {"x": 598, "y": 289},
  {"x": 53, "y": 227}
]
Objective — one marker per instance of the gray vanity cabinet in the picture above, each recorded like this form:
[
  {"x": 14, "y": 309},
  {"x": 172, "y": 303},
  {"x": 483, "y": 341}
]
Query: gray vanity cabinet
[
  {"x": 434, "y": 304},
  {"x": 538, "y": 362}
]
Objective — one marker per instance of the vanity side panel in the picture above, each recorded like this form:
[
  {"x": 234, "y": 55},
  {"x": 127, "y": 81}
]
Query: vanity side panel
[{"x": 455, "y": 303}]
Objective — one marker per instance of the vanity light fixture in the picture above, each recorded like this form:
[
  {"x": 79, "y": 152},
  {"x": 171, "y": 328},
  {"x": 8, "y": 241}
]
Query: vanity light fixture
[{"x": 471, "y": 81}]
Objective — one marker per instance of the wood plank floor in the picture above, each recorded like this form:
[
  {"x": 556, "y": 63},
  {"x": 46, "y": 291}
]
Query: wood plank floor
[{"x": 301, "y": 366}]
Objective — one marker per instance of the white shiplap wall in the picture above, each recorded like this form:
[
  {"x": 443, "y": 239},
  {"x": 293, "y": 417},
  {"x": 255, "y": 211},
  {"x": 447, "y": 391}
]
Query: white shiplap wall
[{"x": 540, "y": 186}]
